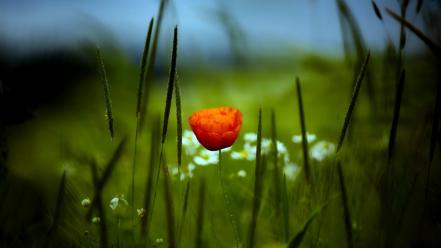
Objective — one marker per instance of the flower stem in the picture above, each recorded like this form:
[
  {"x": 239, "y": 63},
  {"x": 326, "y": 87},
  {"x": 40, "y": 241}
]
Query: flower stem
[{"x": 228, "y": 208}]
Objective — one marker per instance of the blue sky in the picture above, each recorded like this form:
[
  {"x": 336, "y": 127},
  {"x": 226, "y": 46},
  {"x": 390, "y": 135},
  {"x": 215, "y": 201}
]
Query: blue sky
[{"x": 310, "y": 25}]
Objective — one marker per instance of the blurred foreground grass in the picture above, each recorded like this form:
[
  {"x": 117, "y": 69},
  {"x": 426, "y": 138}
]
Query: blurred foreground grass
[{"x": 382, "y": 213}]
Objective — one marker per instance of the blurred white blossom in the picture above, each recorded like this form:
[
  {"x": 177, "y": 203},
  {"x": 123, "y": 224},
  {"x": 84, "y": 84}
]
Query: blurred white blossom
[
  {"x": 310, "y": 137},
  {"x": 96, "y": 220},
  {"x": 291, "y": 170},
  {"x": 117, "y": 201},
  {"x": 141, "y": 212},
  {"x": 322, "y": 150},
  {"x": 86, "y": 202},
  {"x": 241, "y": 173},
  {"x": 206, "y": 157},
  {"x": 190, "y": 143}
]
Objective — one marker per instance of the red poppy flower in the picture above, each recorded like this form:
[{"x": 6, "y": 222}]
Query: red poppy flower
[{"x": 216, "y": 128}]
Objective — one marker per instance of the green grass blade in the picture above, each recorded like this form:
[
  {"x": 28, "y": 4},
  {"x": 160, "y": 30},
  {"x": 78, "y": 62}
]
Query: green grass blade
[
  {"x": 429, "y": 43},
  {"x": 169, "y": 207},
  {"x": 258, "y": 181},
  {"x": 184, "y": 209},
  {"x": 151, "y": 64},
  {"x": 138, "y": 109},
  {"x": 200, "y": 215},
  {"x": 377, "y": 10},
  {"x": 304, "y": 137},
  {"x": 276, "y": 173},
  {"x": 142, "y": 73},
  {"x": 285, "y": 209},
  {"x": 178, "y": 122},
  {"x": 396, "y": 115},
  {"x": 228, "y": 206},
  {"x": 58, "y": 205},
  {"x": 297, "y": 240},
  {"x": 100, "y": 209},
  {"x": 345, "y": 203},
  {"x": 107, "y": 97},
  {"x": 171, "y": 82},
  {"x": 109, "y": 168},
  {"x": 353, "y": 101},
  {"x": 154, "y": 152}
]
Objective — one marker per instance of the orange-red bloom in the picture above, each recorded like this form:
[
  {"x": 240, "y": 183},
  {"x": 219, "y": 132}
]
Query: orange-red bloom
[{"x": 216, "y": 128}]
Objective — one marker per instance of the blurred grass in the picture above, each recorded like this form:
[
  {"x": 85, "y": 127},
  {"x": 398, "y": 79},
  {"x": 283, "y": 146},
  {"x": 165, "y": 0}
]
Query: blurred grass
[{"x": 58, "y": 135}]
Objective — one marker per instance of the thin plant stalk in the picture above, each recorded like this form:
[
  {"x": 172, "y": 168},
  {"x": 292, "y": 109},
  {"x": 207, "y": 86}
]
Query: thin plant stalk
[
  {"x": 169, "y": 207},
  {"x": 345, "y": 203},
  {"x": 141, "y": 83},
  {"x": 350, "y": 110},
  {"x": 258, "y": 176},
  {"x": 107, "y": 96},
  {"x": 304, "y": 137},
  {"x": 228, "y": 206},
  {"x": 200, "y": 215}
]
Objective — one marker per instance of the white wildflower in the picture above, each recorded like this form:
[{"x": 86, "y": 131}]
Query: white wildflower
[
  {"x": 250, "y": 137},
  {"x": 141, "y": 212},
  {"x": 159, "y": 241},
  {"x": 86, "y": 202},
  {"x": 241, "y": 173},
  {"x": 117, "y": 201},
  {"x": 322, "y": 150},
  {"x": 206, "y": 157},
  {"x": 291, "y": 171},
  {"x": 309, "y": 136},
  {"x": 190, "y": 143},
  {"x": 96, "y": 220}
]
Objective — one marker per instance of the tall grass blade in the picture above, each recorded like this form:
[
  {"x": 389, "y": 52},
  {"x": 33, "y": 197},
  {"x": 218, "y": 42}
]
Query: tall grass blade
[
  {"x": 228, "y": 206},
  {"x": 169, "y": 207},
  {"x": 258, "y": 181},
  {"x": 304, "y": 137},
  {"x": 109, "y": 168},
  {"x": 138, "y": 110},
  {"x": 58, "y": 205},
  {"x": 178, "y": 122},
  {"x": 275, "y": 158},
  {"x": 353, "y": 101},
  {"x": 154, "y": 152},
  {"x": 297, "y": 240},
  {"x": 429, "y": 43},
  {"x": 377, "y": 10},
  {"x": 285, "y": 209},
  {"x": 143, "y": 68},
  {"x": 200, "y": 215},
  {"x": 345, "y": 203},
  {"x": 107, "y": 97},
  {"x": 151, "y": 63},
  {"x": 100, "y": 209},
  {"x": 184, "y": 209},
  {"x": 171, "y": 82},
  {"x": 396, "y": 115},
  {"x": 418, "y": 6}
]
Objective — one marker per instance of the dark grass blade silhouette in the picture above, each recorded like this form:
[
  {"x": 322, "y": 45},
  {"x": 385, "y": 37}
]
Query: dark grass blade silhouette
[
  {"x": 107, "y": 96},
  {"x": 353, "y": 101},
  {"x": 58, "y": 206},
  {"x": 200, "y": 215},
  {"x": 396, "y": 115},
  {"x": 169, "y": 207},
  {"x": 345, "y": 203},
  {"x": 154, "y": 152},
  {"x": 429, "y": 42},
  {"x": 377, "y": 11},
  {"x": 141, "y": 83},
  {"x": 304, "y": 137},
  {"x": 258, "y": 184},
  {"x": 109, "y": 168}
]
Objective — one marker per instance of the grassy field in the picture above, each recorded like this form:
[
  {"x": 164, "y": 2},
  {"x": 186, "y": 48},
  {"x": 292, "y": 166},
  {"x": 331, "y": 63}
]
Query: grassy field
[{"x": 69, "y": 184}]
